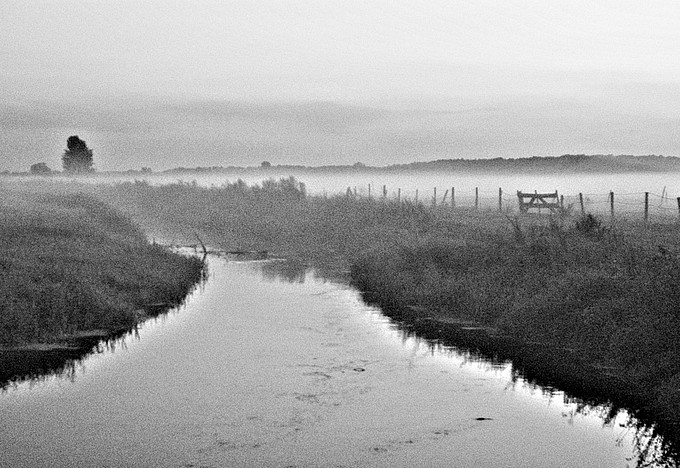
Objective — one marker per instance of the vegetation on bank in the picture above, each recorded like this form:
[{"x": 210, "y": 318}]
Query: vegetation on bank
[
  {"x": 604, "y": 301},
  {"x": 609, "y": 293},
  {"x": 69, "y": 264}
]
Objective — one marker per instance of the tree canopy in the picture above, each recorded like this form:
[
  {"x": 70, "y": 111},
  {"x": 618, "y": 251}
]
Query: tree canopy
[{"x": 78, "y": 157}]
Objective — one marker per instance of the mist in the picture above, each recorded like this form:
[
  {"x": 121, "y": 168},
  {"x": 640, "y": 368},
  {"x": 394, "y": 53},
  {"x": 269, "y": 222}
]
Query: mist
[
  {"x": 166, "y": 133},
  {"x": 298, "y": 82}
]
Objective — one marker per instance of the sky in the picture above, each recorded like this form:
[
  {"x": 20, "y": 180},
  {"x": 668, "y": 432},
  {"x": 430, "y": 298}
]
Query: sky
[{"x": 163, "y": 84}]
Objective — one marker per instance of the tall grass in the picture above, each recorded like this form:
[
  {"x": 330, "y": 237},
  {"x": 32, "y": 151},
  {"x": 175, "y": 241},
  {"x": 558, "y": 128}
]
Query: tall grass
[{"x": 70, "y": 263}]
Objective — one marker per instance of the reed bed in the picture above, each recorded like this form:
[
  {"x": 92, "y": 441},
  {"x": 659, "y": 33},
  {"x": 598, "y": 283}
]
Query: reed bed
[{"x": 70, "y": 263}]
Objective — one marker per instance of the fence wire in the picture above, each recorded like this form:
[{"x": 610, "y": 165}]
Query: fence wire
[{"x": 650, "y": 206}]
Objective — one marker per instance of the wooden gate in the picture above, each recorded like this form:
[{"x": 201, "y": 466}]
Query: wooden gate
[{"x": 549, "y": 201}]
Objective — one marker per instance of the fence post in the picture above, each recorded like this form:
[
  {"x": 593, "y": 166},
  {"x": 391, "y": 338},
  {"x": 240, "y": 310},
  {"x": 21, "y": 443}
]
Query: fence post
[
  {"x": 476, "y": 198},
  {"x": 500, "y": 199},
  {"x": 416, "y": 196},
  {"x": 562, "y": 202},
  {"x": 453, "y": 197},
  {"x": 678, "y": 206},
  {"x": 434, "y": 198},
  {"x": 399, "y": 195},
  {"x": 646, "y": 206},
  {"x": 539, "y": 205},
  {"x": 611, "y": 203},
  {"x": 580, "y": 199},
  {"x": 384, "y": 191},
  {"x": 369, "y": 191}
]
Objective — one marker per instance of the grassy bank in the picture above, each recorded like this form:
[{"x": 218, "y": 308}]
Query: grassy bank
[
  {"x": 603, "y": 301},
  {"x": 70, "y": 264}
]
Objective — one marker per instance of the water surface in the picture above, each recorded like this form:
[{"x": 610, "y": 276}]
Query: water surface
[{"x": 257, "y": 371}]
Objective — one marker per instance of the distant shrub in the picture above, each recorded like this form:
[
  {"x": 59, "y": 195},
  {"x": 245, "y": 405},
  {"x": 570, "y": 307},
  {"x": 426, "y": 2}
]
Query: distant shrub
[
  {"x": 40, "y": 168},
  {"x": 588, "y": 224}
]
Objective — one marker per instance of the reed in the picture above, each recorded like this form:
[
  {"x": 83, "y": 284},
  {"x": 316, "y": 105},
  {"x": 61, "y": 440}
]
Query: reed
[{"x": 70, "y": 263}]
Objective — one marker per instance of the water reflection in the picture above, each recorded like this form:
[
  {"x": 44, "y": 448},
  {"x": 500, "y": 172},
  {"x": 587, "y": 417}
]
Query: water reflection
[
  {"x": 65, "y": 359},
  {"x": 532, "y": 366},
  {"x": 38, "y": 366},
  {"x": 289, "y": 271}
]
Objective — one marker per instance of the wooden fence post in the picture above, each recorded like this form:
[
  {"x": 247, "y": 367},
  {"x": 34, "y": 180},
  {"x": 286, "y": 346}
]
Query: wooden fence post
[
  {"x": 384, "y": 191},
  {"x": 476, "y": 198},
  {"x": 399, "y": 195},
  {"x": 500, "y": 199},
  {"x": 434, "y": 198},
  {"x": 646, "y": 206},
  {"x": 580, "y": 199},
  {"x": 611, "y": 203},
  {"x": 562, "y": 202},
  {"x": 369, "y": 191},
  {"x": 453, "y": 197},
  {"x": 416, "y": 196}
]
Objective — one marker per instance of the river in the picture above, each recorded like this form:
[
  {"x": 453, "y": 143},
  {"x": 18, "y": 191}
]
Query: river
[{"x": 260, "y": 369}]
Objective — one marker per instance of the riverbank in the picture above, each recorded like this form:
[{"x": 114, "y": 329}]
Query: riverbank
[
  {"x": 601, "y": 292},
  {"x": 598, "y": 303},
  {"x": 74, "y": 271}
]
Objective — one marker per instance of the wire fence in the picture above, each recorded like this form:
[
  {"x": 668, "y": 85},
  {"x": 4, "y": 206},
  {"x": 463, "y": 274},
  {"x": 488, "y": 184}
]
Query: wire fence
[{"x": 647, "y": 206}]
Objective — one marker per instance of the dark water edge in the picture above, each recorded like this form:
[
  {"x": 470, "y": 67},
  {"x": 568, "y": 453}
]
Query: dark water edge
[
  {"x": 550, "y": 369},
  {"x": 19, "y": 365},
  {"x": 63, "y": 356}
]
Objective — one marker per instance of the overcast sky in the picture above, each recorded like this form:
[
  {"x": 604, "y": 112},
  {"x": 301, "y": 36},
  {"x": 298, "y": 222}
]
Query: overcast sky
[{"x": 188, "y": 83}]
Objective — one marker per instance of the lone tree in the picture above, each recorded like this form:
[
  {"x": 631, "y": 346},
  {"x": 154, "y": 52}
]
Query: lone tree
[{"x": 78, "y": 157}]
